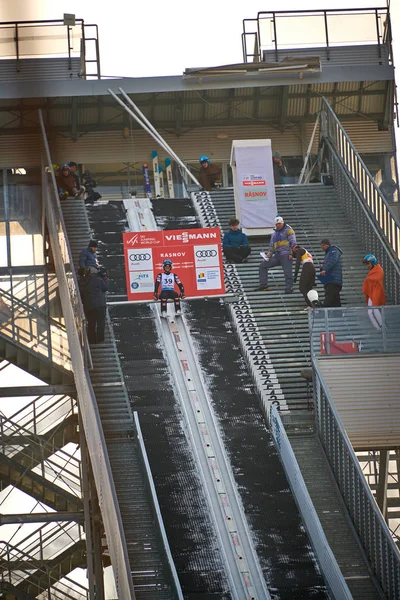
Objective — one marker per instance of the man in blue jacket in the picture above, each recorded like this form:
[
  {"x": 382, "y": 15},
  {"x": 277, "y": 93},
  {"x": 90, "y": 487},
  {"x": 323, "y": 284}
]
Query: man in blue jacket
[
  {"x": 88, "y": 256},
  {"x": 235, "y": 243},
  {"x": 331, "y": 273},
  {"x": 280, "y": 252}
]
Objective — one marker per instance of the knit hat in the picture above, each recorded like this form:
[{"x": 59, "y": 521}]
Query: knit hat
[
  {"x": 279, "y": 219},
  {"x": 325, "y": 242},
  {"x": 92, "y": 244}
]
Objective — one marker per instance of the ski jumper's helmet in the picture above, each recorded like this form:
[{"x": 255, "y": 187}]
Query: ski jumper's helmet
[{"x": 167, "y": 261}]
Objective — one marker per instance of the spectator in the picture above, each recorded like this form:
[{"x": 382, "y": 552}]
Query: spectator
[
  {"x": 235, "y": 243},
  {"x": 66, "y": 182},
  {"x": 281, "y": 246},
  {"x": 331, "y": 273},
  {"x": 73, "y": 167},
  {"x": 307, "y": 277},
  {"x": 93, "y": 288},
  {"x": 88, "y": 256},
  {"x": 374, "y": 290},
  {"x": 279, "y": 168},
  {"x": 209, "y": 173},
  {"x": 90, "y": 184}
]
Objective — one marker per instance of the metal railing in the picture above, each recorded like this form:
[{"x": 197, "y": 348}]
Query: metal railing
[
  {"x": 326, "y": 559},
  {"x": 369, "y": 211},
  {"x": 34, "y": 563},
  {"x": 51, "y": 38},
  {"x": 31, "y": 327},
  {"x": 309, "y": 161},
  {"x": 89, "y": 411},
  {"x": 276, "y": 30},
  {"x": 345, "y": 330},
  {"x": 382, "y": 552}
]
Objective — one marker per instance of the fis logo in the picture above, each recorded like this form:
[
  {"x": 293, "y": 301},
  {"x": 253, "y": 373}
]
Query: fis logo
[
  {"x": 201, "y": 277},
  {"x": 133, "y": 240}
]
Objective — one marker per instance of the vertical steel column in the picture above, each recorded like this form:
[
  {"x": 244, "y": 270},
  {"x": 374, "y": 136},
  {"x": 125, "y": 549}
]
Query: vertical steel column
[
  {"x": 381, "y": 492},
  {"x": 326, "y": 35},
  {"x": 86, "y": 509}
]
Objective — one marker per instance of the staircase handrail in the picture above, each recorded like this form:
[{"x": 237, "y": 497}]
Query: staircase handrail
[
  {"x": 306, "y": 170},
  {"x": 30, "y": 309},
  {"x": 372, "y": 530},
  {"x": 89, "y": 410},
  {"x": 16, "y": 578},
  {"x": 373, "y": 197},
  {"x": 47, "y": 405}
]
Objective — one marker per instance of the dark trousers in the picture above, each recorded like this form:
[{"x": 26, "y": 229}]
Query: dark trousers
[
  {"x": 236, "y": 254},
  {"x": 332, "y": 295},
  {"x": 169, "y": 294},
  {"x": 96, "y": 318},
  {"x": 307, "y": 280}
]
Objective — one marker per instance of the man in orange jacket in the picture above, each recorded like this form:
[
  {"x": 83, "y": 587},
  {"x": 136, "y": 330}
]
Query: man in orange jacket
[{"x": 374, "y": 290}]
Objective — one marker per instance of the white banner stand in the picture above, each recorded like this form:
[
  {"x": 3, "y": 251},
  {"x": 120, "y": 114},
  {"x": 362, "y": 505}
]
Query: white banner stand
[{"x": 254, "y": 186}]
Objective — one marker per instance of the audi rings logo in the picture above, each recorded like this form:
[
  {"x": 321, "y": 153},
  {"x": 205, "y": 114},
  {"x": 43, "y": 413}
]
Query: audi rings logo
[
  {"x": 135, "y": 257},
  {"x": 206, "y": 253}
]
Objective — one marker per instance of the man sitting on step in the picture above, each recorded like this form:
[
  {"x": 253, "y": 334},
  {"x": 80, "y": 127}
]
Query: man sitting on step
[
  {"x": 280, "y": 252},
  {"x": 235, "y": 243}
]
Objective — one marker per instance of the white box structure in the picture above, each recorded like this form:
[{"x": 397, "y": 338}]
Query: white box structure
[{"x": 254, "y": 185}]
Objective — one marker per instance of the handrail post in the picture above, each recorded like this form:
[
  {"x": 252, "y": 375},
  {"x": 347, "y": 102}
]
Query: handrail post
[
  {"x": 16, "y": 39},
  {"x": 259, "y": 34},
  {"x": 378, "y": 35},
  {"x": 69, "y": 47},
  {"x": 275, "y": 36},
  {"x": 327, "y": 35}
]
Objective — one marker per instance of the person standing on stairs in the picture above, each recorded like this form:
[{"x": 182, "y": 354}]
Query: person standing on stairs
[
  {"x": 93, "y": 288},
  {"x": 209, "y": 173},
  {"x": 280, "y": 252},
  {"x": 307, "y": 277},
  {"x": 280, "y": 170},
  {"x": 88, "y": 256},
  {"x": 235, "y": 243},
  {"x": 331, "y": 275},
  {"x": 374, "y": 290}
]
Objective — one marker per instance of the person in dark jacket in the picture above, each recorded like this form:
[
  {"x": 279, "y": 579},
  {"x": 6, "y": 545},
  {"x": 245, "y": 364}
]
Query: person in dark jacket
[
  {"x": 93, "y": 288},
  {"x": 235, "y": 243},
  {"x": 331, "y": 273},
  {"x": 209, "y": 173},
  {"x": 279, "y": 168},
  {"x": 307, "y": 277},
  {"x": 88, "y": 256}
]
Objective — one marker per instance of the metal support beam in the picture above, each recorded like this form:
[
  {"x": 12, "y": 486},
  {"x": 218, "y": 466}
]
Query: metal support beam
[
  {"x": 23, "y": 518},
  {"x": 231, "y": 96},
  {"x": 256, "y": 103},
  {"x": 360, "y": 98},
  {"x": 381, "y": 492},
  {"x": 38, "y": 390},
  {"x": 74, "y": 119},
  {"x": 284, "y": 108}
]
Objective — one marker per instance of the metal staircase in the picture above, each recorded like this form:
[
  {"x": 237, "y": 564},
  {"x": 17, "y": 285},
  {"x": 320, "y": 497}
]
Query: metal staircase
[
  {"x": 314, "y": 212},
  {"x": 149, "y": 566}
]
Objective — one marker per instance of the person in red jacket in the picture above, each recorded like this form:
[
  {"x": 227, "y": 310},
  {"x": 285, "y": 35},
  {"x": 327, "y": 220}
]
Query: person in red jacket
[{"x": 374, "y": 290}]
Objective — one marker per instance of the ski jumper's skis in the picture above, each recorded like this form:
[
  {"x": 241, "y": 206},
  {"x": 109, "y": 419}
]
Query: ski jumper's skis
[
  {"x": 154, "y": 156},
  {"x": 170, "y": 180}
]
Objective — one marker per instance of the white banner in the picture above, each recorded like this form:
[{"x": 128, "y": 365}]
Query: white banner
[{"x": 255, "y": 186}]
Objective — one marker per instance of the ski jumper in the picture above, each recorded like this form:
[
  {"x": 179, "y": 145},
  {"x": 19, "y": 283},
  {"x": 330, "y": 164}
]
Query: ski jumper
[{"x": 167, "y": 282}]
